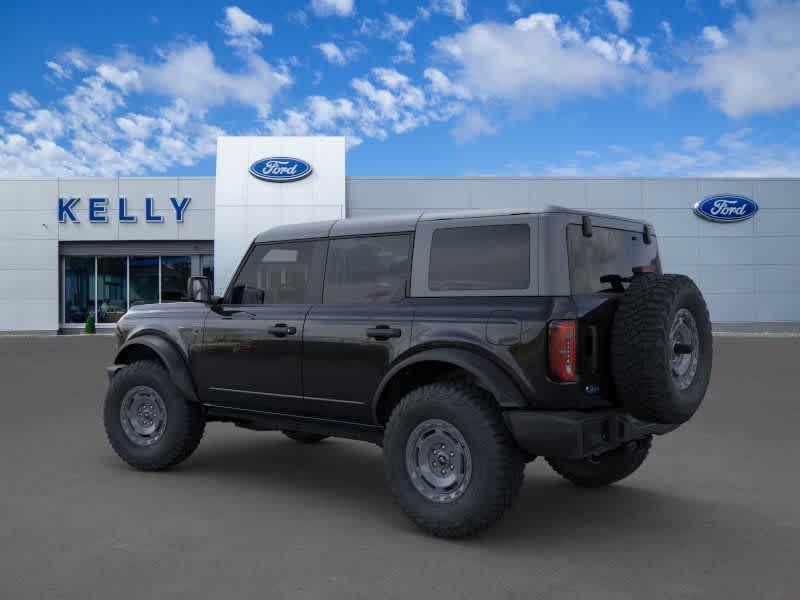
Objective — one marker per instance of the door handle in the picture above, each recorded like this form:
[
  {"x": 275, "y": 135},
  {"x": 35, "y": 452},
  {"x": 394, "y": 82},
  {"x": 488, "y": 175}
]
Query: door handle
[
  {"x": 383, "y": 332},
  {"x": 281, "y": 330}
]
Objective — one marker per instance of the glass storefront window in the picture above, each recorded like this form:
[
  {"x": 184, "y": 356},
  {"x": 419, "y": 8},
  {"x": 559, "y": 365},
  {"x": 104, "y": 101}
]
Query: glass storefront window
[
  {"x": 175, "y": 273},
  {"x": 110, "y": 277},
  {"x": 112, "y": 288},
  {"x": 143, "y": 280},
  {"x": 78, "y": 288}
]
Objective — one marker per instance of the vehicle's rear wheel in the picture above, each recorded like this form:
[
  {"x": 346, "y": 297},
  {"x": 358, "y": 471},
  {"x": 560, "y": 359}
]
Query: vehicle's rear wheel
[
  {"x": 451, "y": 464},
  {"x": 661, "y": 348},
  {"x": 149, "y": 423},
  {"x": 604, "y": 469},
  {"x": 304, "y": 437}
]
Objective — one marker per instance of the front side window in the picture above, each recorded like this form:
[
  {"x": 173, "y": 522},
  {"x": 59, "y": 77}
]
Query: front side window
[
  {"x": 483, "y": 257},
  {"x": 281, "y": 273},
  {"x": 371, "y": 269}
]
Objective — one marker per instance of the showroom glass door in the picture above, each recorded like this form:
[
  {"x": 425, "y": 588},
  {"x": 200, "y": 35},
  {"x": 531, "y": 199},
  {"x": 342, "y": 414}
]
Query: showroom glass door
[
  {"x": 79, "y": 288},
  {"x": 143, "y": 280},
  {"x": 112, "y": 288}
]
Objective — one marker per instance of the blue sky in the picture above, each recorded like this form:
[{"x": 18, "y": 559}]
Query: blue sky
[{"x": 437, "y": 87}]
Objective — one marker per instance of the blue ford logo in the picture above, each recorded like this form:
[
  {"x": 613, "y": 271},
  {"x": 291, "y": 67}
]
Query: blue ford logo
[
  {"x": 280, "y": 169},
  {"x": 726, "y": 209}
]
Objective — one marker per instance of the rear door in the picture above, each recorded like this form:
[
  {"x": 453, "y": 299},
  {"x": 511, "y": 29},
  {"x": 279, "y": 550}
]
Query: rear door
[
  {"x": 251, "y": 352},
  {"x": 362, "y": 324}
]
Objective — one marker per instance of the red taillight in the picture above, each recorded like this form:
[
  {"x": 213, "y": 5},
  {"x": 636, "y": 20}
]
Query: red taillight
[{"x": 562, "y": 341}]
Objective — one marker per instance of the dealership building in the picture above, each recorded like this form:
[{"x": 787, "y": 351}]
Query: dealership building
[{"x": 71, "y": 247}]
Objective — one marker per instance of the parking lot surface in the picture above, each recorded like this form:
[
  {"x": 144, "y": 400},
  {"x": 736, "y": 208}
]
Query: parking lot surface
[{"x": 713, "y": 513}]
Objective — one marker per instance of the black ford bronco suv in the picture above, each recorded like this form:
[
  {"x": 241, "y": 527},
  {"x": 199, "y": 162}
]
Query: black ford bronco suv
[{"x": 465, "y": 344}]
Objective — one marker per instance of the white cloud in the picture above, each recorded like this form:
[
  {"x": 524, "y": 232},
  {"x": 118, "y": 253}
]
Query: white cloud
[
  {"x": 22, "y": 100},
  {"x": 692, "y": 143},
  {"x": 727, "y": 3},
  {"x": 58, "y": 70},
  {"x": 441, "y": 84},
  {"x": 191, "y": 72},
  {"x": 735, "y": 154},
  {"x": 243, "y": 29},
  {"x": 514, "y": 8},
  {"x": 336, "y": 55},
  {"x": 385, "y": 101},
  {"x": 405, "y": 52},
  {"x": 391, "y": 27},
  {"x": 666, "y": 27},
  {"x": 471, "y": 125},
  {"x": 621, "y": 11},
  {"x": 537, "y": 60},
  {"x": 127, "y": 80},
  {"x": 715, "y": 37},
  {"x": 453, "y": 8},
  {"x": 398, "y": 27},
  {"x": 758, "y": 70},
  {"x": 339, "y": 8},
  {"x": 90, "y": 130}
]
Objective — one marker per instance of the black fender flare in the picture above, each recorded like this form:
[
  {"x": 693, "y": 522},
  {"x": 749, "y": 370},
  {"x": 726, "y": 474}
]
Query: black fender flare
[
  {"x": 489, "y": 376},
  {"x": 171, "y": 357}
]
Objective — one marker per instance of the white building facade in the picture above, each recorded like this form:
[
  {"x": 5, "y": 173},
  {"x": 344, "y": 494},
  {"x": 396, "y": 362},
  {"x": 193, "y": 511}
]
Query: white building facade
[{"x": 73, "y": 248}]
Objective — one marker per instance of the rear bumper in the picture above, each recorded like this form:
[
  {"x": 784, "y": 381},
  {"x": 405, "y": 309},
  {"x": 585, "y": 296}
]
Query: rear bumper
[{"x": 576, "y": 434}]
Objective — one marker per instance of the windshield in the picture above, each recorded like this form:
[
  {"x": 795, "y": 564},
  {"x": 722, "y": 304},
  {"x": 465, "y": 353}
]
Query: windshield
[{"x": 605, "y": 261}]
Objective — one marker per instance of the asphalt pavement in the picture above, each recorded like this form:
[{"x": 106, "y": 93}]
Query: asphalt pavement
[{"x": 713, "y": 513}]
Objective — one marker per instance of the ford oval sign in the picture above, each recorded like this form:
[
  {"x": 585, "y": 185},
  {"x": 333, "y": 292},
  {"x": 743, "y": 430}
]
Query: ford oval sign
[
  {"x": 726, "y": 209},
  {"x": 280, "y": 169}
]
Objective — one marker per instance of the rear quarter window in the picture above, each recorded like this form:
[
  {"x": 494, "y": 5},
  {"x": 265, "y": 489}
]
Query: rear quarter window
[
  {"x": 480, "y": 257},
  {"x": 608, "y": 252}
]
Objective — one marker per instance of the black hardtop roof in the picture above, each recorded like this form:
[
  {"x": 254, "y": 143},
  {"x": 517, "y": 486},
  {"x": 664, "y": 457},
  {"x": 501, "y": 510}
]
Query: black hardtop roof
[{"x": 402, "y": 222}]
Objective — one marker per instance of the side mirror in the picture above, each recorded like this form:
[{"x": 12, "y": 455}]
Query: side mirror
[{"x": 199, "y": 290}]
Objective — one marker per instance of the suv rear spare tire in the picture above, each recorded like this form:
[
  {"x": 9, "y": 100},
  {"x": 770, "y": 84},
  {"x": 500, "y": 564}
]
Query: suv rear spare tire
[{"x": 661, "y": 348}]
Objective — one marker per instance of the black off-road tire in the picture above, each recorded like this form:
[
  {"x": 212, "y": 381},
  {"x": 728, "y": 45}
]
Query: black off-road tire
[
  {"x": 304, "y": 437},
  {"x": 604, "y": 469},
  {"x": 497, "y": 463},
  {"x": 642, "y": 351},
  {"x": 183, "y": 428}
]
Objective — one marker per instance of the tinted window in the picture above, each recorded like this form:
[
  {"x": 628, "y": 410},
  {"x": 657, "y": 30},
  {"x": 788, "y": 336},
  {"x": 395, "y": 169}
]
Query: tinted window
[
  {"x": 367, "y": 269},
  {"x": 282, "y": 273},
  {"x": 607, "y": 252},
  {"x": 488, "y": 257}
]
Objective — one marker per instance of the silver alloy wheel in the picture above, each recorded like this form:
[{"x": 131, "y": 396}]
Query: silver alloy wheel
[
  {"x": 143, "y": 415},
  {"x": 685, "y": 348},
  {"x": 438, "y": 461}
]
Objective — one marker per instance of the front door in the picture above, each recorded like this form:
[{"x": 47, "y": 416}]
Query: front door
[{"x": 250, "y": 357}]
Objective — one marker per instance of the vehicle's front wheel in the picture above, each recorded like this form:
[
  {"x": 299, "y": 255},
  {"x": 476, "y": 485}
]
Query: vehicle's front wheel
[
  {"x": 149, "y": 423},
  {"x": 604, "y": 469},
  {"x": 451, "y": 464}
]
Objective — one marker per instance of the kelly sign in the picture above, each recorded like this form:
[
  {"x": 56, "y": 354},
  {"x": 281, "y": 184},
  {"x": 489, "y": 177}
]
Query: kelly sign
[{"x": 99, "y": 208}]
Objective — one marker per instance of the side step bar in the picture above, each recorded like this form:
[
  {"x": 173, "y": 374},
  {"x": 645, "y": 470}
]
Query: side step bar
[{"x": 272, "y": 421}]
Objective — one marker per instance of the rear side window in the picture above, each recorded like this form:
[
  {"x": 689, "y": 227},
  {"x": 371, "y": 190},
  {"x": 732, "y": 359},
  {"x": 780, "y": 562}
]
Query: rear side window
[
  {"x": 484, "y": 257},
  {"x": 607, "y": 252},
  {"x": 281, "y": 273},
  {"x": 370, "y": 269}
]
